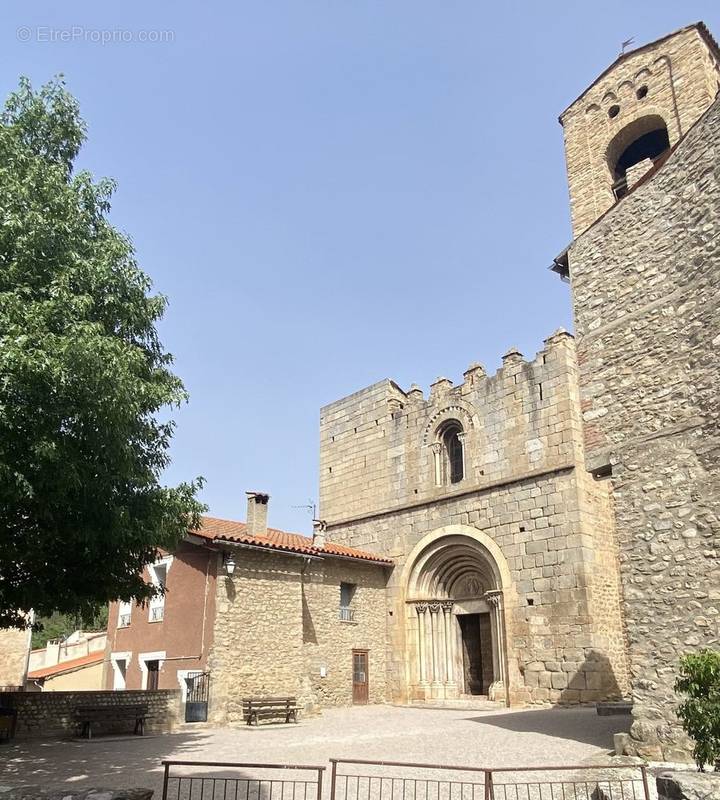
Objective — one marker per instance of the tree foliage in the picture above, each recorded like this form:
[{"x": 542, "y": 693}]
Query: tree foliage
[
  {"x": 83, "y": 378},
  {"x": 60, "y": 626},
  {"x": 699, "y": 681}
]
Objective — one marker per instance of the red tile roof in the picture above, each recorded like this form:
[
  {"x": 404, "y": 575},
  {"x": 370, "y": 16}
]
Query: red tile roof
[
  {"x": 66, "y": 666},
  {"x": 226, "y": 530}
]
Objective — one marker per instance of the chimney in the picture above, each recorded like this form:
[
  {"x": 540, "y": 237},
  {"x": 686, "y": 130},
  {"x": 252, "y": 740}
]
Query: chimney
[
  {"x": 318, "y": 539},
  {"x": 257, "y": 509}
]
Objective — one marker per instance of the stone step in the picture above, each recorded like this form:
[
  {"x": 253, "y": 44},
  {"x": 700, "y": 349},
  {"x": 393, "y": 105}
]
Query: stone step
[
  {"x": 609, "y": 708},
  {"x": 473, "y": 703}
]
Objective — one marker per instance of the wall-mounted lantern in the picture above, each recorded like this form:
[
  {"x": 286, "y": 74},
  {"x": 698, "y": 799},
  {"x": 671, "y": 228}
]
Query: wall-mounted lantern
[{"x": 229, "y": 563}]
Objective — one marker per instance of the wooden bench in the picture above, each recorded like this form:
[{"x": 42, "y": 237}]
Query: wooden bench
[
  {"x": 8, "y": 722},
  {"x": 87, "y": 716},
  {"x": 257, "y": 708}
]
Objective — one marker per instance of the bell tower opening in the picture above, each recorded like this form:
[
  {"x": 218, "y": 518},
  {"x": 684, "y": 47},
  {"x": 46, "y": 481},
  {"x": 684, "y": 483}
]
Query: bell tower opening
[
  {"x": 639, "y": 144},
  {"x": 637, "y": 109}
]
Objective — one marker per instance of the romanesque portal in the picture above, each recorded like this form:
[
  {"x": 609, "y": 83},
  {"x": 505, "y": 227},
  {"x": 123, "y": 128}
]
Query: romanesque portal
[{"x": 455, "y": 621}]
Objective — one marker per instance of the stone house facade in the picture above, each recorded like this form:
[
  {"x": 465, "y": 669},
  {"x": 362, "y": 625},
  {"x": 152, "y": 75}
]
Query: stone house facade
[
  {"x": 14, "y": 655},
  {"x": 264, "y": 612},
  {"x": 645, "y": 282}
]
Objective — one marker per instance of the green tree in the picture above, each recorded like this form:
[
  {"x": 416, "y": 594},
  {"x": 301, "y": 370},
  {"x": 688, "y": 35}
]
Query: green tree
[
  {"x": 699, "y": 681},
  {"x": 83, "y": 380},
  {"x": 58, "y": 626}
]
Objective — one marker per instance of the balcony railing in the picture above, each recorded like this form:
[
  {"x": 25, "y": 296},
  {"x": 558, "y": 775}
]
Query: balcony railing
[
  {"x": 347, "y": 614},
  {"x": 157, "y": 613},
  {"x": 124, "y": 620}
]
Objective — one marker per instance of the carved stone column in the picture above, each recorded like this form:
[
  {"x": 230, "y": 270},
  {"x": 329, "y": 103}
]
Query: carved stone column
[
  {"x": 461, "y": 438},
  {"x": 437, "y": 449},
  {"x": 434, "y": 609},
  {"x": 447, "y": 607},
  {"x": 421, "y": 609},
  {"x": 429, "y": 667},
  {"x": 495, "y": 601}
]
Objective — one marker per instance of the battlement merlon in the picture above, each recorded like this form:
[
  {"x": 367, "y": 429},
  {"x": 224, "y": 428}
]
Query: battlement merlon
[
  {"x": 388, "y": 397},
  {"x": 378, "y": 446}
]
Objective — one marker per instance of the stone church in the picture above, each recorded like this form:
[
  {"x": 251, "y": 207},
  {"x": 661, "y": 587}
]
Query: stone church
[{"x": 554, "y": 526}]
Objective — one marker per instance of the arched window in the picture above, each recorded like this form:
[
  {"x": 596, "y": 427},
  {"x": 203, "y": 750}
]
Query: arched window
[
  {"x": 644, "y": 138},
  {"x": 449, "y": 453},
  {"x": 454, "y": 453}
]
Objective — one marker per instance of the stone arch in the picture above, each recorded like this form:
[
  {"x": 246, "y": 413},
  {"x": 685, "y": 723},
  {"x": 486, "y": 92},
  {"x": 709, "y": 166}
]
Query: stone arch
[
  {"x": 608, "y": 98},
  {"x": 455, "y": 581},
  {"x": 456, "y": 410},
  {"x": 642, "y": 140},
  {"x": 481, "y": 539}
]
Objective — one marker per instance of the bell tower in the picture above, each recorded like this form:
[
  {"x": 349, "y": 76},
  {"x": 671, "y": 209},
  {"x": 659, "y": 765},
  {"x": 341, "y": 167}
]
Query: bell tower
[{"x": 628, "y": 119}]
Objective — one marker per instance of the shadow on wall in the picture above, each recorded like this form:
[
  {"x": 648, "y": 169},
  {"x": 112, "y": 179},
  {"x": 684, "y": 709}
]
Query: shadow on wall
[
  {"x": 591, "y": 681},
  {"x": 571, "y": 682},
  {"x": 309, "y": 635},
  {"x": 230, "y": 591}
]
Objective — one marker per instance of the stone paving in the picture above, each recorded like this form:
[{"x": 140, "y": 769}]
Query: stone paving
[{"x": 461, "y": 737}]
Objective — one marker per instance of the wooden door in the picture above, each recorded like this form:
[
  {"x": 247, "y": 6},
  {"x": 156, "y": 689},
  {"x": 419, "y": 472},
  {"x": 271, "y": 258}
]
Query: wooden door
[
  {"x": 153, "y": 675},
  {"x": 360, "y": 677},
  {"x": 472, "y": 658}
]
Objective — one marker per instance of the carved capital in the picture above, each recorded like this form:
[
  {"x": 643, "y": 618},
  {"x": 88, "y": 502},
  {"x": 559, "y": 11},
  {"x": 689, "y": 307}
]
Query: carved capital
[
  {"x": 434, "y": 607},
  {"x": 447, "y": 606},
  {"x": 421, "y": 608},
  {"x": 436, "y": 447},
  {"x": 494, "y": 597}
]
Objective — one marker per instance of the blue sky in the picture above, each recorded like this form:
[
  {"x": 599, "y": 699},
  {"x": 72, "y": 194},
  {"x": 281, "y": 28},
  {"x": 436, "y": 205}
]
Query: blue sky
[{"x": 330, "y": 193}]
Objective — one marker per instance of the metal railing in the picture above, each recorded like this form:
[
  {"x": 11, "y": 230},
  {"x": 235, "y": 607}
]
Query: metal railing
[
  {"x": 123, "y": 620},
  {"x": 347, "y": 614},
  {"x": 354, "y": 779},
  {"x": 157, "y": 613},
  {"x": 219, "y": 780}
]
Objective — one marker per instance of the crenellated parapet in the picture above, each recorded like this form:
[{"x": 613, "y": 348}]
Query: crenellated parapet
[{"x": 383, "y": 446}]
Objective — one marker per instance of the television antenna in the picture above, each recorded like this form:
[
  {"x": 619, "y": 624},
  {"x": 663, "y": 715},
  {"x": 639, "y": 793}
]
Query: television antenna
[{"x": 309, "y": 507}]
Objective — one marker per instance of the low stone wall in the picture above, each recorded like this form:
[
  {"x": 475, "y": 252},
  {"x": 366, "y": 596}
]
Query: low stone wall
[
  {"x": 688, "y": 786},
  {"x": 51, "y": 714}
]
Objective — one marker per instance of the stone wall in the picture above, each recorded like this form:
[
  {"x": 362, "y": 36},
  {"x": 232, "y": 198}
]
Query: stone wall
[
  {"x": 550, "y": 523},
  {"x": 646, "y": 290},
  {"x": 14, "y": 651},
  {"x": 278, "y": 631},
  {"x": 688, "y": 786},
  {"x": 376, "y": 446},
  {"x": 680, "y": 76},
  {"x": 51, "y": 714}
]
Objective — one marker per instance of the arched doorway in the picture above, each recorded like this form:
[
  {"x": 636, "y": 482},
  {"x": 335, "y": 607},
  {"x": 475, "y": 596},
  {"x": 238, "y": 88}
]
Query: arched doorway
[{"x": 455, "y": 620}]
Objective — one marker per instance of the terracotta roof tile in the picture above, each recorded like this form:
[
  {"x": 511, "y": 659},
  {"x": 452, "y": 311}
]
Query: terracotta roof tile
[
  {"x": 227, "y": 530},
  {"x": 67, "y": 666}
]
